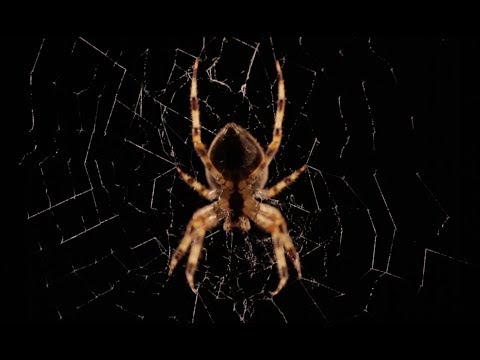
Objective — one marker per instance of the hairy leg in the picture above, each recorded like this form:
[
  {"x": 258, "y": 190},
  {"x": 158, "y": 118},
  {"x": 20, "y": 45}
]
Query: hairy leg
[
  {"x": 202, "y": 220},
  {"x": 271, "y": 220},
  {"x": 277, "y": 129},
  {"x": 198, "y": 186},
  {"x": 199, "y": 146},
  {"x": 282, "y": 184}
]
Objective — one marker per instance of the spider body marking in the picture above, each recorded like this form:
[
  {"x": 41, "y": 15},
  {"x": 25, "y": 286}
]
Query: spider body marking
[
  {"x": 236, "y": 168},
  {"x": 236, "y": 154}
]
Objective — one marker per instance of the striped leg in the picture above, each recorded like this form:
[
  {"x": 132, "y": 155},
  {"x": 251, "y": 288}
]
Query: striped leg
[
  {"x": 198, "y": 186},
  {"x": 271, "y": 220},
  {"x": 196, "y": 130},
  {"x": 278, "y": 187},
  {"x": 277, "y": 129},
  {"x": 202, "y": 220}
]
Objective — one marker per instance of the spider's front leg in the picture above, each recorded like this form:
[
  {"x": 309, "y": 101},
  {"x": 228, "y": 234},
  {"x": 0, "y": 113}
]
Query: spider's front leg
[
  {"x": 271, "y": 220},
  {"x": 277, "y": 129},
  {"x": 202, "y": 220},
  {"x": 198, "y": 144}
]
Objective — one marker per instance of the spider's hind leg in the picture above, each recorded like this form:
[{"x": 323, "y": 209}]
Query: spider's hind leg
[
  {"x": 202, "y": 220},
  {"x": 271, "y": 220}
]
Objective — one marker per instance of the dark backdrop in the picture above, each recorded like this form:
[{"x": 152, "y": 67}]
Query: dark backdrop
[{"x": 380, "y": 218}]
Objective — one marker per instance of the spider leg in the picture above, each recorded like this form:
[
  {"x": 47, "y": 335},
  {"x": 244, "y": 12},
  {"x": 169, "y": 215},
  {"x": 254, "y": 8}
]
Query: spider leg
[
  {"x": 278, "y": 187},
  {"x": 202, "y": 220},
  {"x": 198, "y": 186},
  {"x": 271, "y": 220},
  {"x": 196, "y": 130},
  {"x": 277, "y": 129}
]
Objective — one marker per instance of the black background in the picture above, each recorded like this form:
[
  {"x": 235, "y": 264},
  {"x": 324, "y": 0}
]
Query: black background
[{"x": 431, "y": 81}]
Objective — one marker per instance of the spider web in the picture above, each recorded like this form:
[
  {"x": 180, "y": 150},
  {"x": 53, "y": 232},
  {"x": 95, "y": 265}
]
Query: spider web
[{"x": 377, "y": 217}]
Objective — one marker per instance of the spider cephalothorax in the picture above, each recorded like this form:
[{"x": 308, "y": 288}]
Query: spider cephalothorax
[{"x": 236, "y": 168}]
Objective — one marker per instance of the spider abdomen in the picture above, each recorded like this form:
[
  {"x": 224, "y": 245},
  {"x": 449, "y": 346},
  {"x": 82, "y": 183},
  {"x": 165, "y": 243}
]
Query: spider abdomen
[{"x": 235, "y": 153}]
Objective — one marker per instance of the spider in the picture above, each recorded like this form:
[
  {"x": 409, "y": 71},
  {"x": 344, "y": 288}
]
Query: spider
[{"x": 236, "y": 168}]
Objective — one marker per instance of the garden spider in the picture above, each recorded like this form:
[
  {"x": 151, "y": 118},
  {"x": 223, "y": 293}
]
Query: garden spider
[{"x": 236, "y": 168}]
